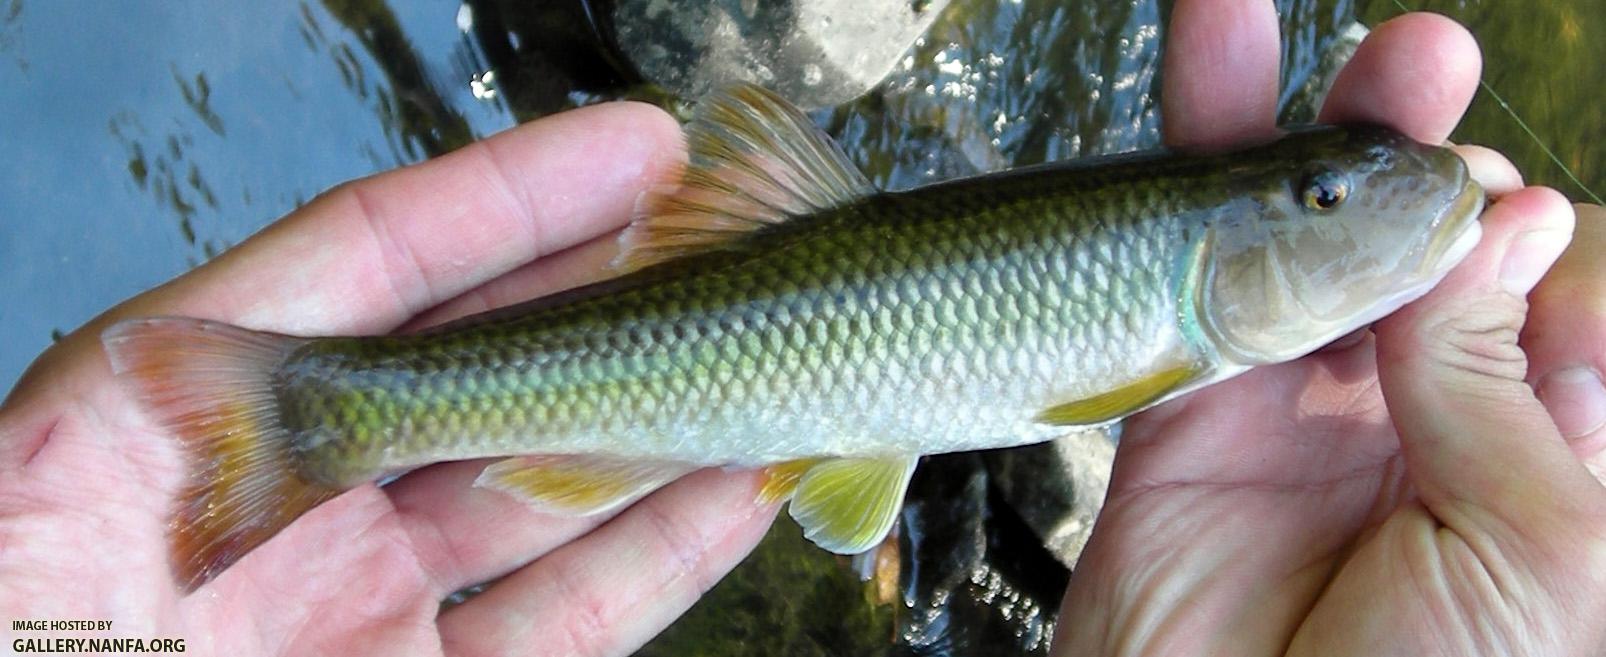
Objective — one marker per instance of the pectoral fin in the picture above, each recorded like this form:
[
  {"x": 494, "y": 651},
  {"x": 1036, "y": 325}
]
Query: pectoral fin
[
  {"x": 1120, "y": 402},
  {"x": 579, "y": 485},
  {"x": 848, "y": 505}
]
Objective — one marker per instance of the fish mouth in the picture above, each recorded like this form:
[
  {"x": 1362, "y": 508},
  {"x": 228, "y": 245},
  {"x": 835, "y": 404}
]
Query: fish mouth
[{"x": 1458, "y": 230}]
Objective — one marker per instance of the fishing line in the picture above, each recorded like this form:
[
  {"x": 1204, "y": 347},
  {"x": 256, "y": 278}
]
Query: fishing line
[
  {"x": 1549, "y": 153},
  {"x": 1529, "y": 131}
]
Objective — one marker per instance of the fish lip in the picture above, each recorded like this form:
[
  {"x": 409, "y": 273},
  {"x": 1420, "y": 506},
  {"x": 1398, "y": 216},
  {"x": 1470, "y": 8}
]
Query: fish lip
[{"x": 1449, "y": 244}]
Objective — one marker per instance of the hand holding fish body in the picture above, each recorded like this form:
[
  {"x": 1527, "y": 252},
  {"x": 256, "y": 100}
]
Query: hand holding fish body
[{"x": 777, "y": 311}]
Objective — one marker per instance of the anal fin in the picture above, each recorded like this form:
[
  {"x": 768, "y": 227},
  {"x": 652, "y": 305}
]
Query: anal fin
[
  {"x": 848, "y": 505},
  {"x": 579, "y": 485},
  {"x": 1121, "y": 401}
]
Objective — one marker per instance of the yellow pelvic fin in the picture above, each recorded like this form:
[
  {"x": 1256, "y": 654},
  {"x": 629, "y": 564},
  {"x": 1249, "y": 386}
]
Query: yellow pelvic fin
[
  {"x": 848, "y": 505},
  {"x": 755, "y": 161},
  {"x": 1120, "y": 402},
  {"x": 579, "y": 485},
  {"x": 781, "y": 480}
]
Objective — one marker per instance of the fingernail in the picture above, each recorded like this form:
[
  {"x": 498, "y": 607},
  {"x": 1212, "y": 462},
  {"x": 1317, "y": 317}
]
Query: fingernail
[
  {"x": 1576, "y": 400},
  {"x": 1528, "y": 257}
]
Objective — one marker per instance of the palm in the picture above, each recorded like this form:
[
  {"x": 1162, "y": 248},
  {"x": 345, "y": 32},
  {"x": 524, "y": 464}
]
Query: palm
[
  {"x": 104, "y": 482},
  {"x": 1272, "y": 475},
  {"x": 1308, "y": 424},
  {"x": 1279, "y": 505},
  {"x": 86, "y": 483}
]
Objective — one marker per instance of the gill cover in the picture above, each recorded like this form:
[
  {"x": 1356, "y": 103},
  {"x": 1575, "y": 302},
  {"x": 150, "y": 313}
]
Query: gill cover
[{"x": 1364, "y": 221}]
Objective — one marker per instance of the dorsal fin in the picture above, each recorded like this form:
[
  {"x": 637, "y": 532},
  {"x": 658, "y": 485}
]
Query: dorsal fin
[{"x": 755, "y": 161}]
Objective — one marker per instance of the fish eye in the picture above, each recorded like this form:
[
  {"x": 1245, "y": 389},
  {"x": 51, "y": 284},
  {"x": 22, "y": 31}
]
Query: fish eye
[{"x": 1324, "y": 190}]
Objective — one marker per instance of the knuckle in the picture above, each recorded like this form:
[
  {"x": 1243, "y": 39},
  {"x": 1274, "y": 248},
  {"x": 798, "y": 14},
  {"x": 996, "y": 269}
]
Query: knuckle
[
  {"x": 680, "y": 548},
  {"x": 585, "y": 617},
  {"x": 1479, "y": 337}
]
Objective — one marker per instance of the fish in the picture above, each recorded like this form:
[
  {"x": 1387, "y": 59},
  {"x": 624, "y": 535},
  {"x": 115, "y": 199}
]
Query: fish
[{"x": 773, "y": 309}]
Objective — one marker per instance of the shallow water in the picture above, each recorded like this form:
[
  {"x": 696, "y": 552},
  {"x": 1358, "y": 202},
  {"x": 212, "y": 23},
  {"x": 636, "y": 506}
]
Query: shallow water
[{"x": 138, "y": 140}]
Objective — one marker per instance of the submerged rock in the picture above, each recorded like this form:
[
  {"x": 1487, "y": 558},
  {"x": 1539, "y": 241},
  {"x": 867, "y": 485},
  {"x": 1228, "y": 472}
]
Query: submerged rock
[
  {"x": 1057, "y": 487},
  {"x": 816, "y": 53}
]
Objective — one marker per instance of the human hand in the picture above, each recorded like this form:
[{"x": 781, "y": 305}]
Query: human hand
[
  {"x": 87, "y": 484},
  {"x": 1404, "y": 493}
]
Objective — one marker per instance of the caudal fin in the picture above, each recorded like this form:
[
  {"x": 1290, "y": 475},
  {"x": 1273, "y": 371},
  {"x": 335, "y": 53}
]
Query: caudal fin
[{"x": 211, "y": 385}]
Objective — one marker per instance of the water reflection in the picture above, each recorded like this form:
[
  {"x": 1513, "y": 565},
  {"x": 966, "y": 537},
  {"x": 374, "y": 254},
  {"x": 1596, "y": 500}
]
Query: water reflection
[
  {"x": 162, "y": 169},
  {"x": 975, "y": 577},
  {"x": 998, "y": 84},
  {"x": 547, "y": 56},
  {"x": 409, "y": 106},
  {"x": 11, "y": 42}
]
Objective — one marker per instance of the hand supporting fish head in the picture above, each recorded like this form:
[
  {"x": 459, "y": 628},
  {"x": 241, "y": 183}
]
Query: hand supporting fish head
[{"x": 1365, "y": 221}]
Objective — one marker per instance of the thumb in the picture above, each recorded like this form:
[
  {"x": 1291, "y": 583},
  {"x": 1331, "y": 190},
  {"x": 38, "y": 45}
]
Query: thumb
[{"x": 1480, "y": 449}]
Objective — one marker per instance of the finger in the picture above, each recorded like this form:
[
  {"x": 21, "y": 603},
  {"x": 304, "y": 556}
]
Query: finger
[
  {"x": 446, "y": 515},
  {"x": 463, "y": 534},
  {"x": 1496, "y": 174},
  {"x": 367, "y": 255},
  {"x": 1415, "y": 73},
  {"x": 1565, "y": 337},
  {"x": 609, "y": 592},
  {"x": 1478, "y": 446},
  {"x": 1219, "y": 86},
  {"x": 577, "y": 266}
]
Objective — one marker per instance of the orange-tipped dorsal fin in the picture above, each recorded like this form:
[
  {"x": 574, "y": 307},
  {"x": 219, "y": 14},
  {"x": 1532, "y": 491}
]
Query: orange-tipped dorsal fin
[{"x": 755, "y": 161}]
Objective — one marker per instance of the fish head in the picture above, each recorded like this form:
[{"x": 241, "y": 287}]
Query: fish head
[{"x": 1349, "y": 225}]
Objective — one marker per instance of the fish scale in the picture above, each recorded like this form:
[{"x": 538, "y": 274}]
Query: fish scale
[
  {"x": 894, "y": 299},
  {"x": 774, "y": 310}
]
